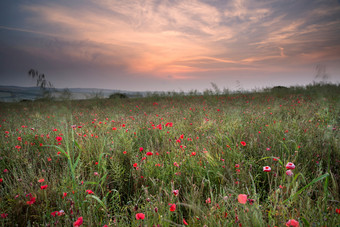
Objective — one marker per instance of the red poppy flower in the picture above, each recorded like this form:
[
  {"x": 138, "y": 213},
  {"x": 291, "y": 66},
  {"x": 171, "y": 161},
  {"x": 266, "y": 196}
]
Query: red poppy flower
[
  {"x": 43, "y": 187},
  {"x": 79, "y": 222},
  {"x": 135, "y": 165},
  {"x": 54, "y": 213},
  {"x": 59, "y": 138},
  {"x": 175, "y": 192},
  {"x": 89, "y": 192},
  {"x": 184, "y": 222},
  {"x": 41, "y": 180},
  {"x": 140, "y": 216},
  {"x": 1, "y": 180},
  {"x": 32, "y": 200},
  {"x": 243, "y": 143},
  {"x": 141, "y": 149},
  {"x": 337, "y": 211},
  {"x": 149, "y": 153},
  {"x": 4, "y": 215},
  {"x": 172, "y": 207}
]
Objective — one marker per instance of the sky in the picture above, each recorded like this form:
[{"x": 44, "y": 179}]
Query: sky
[{"x": 170, "y": 45}]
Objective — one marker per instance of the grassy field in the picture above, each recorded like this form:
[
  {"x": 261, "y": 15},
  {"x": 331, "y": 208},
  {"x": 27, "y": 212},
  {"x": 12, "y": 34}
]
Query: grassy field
[{"x": 247, "y": 159}]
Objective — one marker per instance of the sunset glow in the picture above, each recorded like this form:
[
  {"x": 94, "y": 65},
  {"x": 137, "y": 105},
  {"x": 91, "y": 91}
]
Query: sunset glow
[{"x": 169, "y": 45}]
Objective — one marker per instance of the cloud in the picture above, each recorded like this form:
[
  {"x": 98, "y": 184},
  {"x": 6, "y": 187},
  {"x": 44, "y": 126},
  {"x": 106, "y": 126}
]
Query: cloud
[{"x": 180, "y": 38}]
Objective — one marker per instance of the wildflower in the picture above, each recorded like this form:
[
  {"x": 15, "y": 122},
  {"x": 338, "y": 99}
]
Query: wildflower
[
  {"x": 54, "y": 213},
  {"x": 1, "y": 180},
  {"x": 140, "y": 216},
  {"x": 193, "y": 153},
  {"x": 41, "y": 180},
  {"x": 135, "y": 165},
  {"x": 175, "y": 192},
  {"x": 79, "y": 222},
  {"x": 243, "y": 143},
  {"x": 149, "y": 153},
  {"x": 290, "y": 165},
  {"x": 89, "y": 192},
  {"x": 61, "y": 212},
  {"x": 184, "y": 222},
  {"x": 43, "y": 187},
  {"x": 172, "y": 207},
  {"x": 32, "y": 200},
  {"x": 289, "y": 172},
  {"x": 337, "y": 211},
  {"x": 251, "y": 201},
  {"x": 237, "y": 165},
  {"x": 3, "y": 215},
  {"x": 5, "y": 170},
  {"x": 141, "y": 149},
  {"x": 208, "y": 200},
  {"x": 293, "y": 223},
  {"x": 242, "y": 198},
  {"x": 59, "y": 138},
  {"x": 266, "y": 169},
  {"x": 176, "y": 164},
  {"x": 64, "y": 194}
]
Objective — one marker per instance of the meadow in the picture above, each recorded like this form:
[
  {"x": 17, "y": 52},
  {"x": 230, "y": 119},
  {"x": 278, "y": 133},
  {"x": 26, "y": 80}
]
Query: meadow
[{"x": 267, "y": 158}]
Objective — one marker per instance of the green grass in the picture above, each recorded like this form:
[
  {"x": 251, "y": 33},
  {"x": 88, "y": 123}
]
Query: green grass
[{"x": 201, "y": 155}]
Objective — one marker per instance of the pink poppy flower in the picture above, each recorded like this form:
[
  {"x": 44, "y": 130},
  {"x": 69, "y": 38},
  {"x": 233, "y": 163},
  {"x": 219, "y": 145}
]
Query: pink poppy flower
[
  {"x": 242, "y": 198},
  {"x": 293, "y": 223},
  {"x": 290, "y": 165},
  {"x": 266, "y": 169},
  {"x": 289, "y": 172},
  {"x": 175, "y": 192}
]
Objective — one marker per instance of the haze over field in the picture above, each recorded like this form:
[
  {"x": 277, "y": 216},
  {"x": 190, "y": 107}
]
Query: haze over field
[{"x": 169, "y": 45}]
